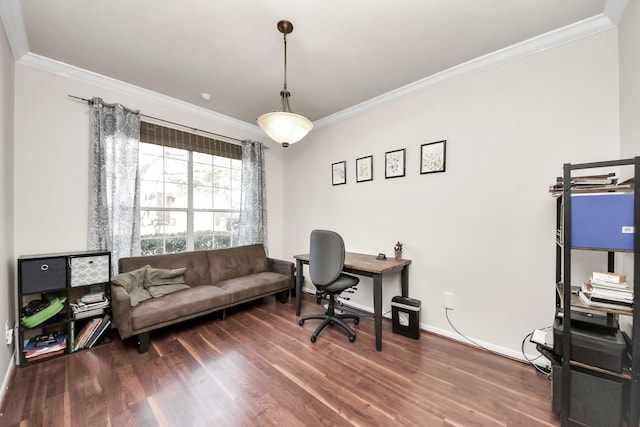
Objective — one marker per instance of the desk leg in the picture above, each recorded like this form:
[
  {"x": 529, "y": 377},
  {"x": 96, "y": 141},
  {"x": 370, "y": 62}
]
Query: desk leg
[
  {"x": 404, "y": 281},
  {"x": 377, "y": 308},
  {"x": 298, "y": 285}
]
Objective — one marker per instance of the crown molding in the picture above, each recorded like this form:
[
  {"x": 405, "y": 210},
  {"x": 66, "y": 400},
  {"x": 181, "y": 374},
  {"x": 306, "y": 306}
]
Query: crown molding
[
  {"x": 11, "y": 14},
  {"x": 614, "y": 9},
  {"x": 576, "y": 31},
  {"x": 73, "y": 72}
]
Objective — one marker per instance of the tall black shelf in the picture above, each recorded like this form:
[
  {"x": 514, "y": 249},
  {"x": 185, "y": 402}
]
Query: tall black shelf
[{"x": 563, "y": 294}]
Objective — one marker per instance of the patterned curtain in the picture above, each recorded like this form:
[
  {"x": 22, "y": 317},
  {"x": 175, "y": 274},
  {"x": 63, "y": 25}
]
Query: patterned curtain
[
  {"x": 253, "y": 200},
  {"x": 114, "y": 206}
]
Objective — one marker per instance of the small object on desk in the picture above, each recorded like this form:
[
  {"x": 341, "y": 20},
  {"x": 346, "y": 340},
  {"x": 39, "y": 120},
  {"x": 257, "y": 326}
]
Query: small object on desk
[
  {"x": 398, "y": 250},
  {"x": 381, "y": 256}
]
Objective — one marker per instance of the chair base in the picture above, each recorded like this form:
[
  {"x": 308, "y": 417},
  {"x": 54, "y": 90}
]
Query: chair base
[{"x": 331, "y": 318}]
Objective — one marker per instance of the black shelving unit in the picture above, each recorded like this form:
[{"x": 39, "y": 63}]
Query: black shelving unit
[
  {"x": 576, "y": 372},
  {"x": 70, "y": 275}
]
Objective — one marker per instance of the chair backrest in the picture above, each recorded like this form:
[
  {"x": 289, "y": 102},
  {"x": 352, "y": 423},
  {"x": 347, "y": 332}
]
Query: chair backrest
[{"x": 326, "y": 257}]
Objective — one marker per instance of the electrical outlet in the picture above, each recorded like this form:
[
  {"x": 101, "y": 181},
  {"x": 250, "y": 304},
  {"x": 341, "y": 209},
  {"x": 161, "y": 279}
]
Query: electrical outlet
[
  {"x": 448, "y": 300},
  {"x": 8, "y": 333}
]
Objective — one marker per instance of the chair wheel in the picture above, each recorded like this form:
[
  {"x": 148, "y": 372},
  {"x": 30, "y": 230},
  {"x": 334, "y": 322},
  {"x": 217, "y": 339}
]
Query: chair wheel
[
  {"x": 301, "y": 322},
  {"x": 352, "y": 338},
  {"x": 356, "y": 321},
  {"x": 313, "y": 338}
]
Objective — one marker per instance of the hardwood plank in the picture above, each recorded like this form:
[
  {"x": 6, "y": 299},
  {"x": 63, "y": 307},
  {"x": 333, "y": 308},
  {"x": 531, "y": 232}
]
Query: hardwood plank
[{"x": 259, "y": 368}]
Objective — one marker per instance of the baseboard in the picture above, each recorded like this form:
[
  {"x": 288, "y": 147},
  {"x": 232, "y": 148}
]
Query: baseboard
[
  {"x": 6, "y": 383},
  {"x": 502, "y": 351}
]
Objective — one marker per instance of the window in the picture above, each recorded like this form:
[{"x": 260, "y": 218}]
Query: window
[{"x": 190, "y": 200}]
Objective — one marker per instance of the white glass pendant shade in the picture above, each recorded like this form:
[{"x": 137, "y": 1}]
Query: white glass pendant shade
[{"x": 284, "y": 127}]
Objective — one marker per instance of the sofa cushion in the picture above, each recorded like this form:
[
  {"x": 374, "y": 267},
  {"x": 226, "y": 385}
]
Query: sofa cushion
[
  {"x": 196, "y": 263},
  {"x": 254, "y": 285},
  {"x": 183, "y": 304},
  {"x": 235, "y": 262}
]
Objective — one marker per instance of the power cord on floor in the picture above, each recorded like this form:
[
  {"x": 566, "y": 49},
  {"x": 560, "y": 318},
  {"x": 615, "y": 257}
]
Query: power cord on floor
[
  {"x": 446, "y": 312},
  {"x": 538, "y": 368}
]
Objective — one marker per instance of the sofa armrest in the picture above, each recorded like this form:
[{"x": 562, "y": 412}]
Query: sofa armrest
[
  {"x": 283, "y": 267},
  {"x": 121, "y": 311}
]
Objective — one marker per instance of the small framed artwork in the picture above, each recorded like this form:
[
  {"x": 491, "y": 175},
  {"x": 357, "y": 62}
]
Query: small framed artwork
[
  {"x": 433, "y": 157},
  {"x": 364, "y": 169},
  {"x": 394, "y": 163},
  {"x": 339, "y": 173}
]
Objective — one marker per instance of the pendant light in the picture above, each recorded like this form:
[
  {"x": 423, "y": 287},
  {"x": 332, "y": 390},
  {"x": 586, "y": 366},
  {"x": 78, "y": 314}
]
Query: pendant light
[{"x": 283, "y": 126}]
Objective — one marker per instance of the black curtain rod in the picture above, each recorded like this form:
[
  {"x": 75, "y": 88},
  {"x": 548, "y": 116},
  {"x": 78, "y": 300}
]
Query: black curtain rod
[{"x": 88, "y": 101}]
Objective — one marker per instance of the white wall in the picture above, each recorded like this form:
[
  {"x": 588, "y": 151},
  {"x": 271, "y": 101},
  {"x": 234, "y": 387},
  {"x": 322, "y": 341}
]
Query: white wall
[
  {"x": 629, "y": 44},
  {"x": 7, "y": 258},
  {"x": 484, "y": 229},
  {"x": 51, "y": 159}
]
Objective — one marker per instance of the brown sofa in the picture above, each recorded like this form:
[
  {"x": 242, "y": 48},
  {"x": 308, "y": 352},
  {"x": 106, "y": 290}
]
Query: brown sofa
[{"x": 217, "y": 279}]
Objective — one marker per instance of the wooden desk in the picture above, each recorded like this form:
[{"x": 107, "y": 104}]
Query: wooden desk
[{"x": 364, "y": 265}]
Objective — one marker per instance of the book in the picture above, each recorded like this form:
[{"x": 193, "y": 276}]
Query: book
[
  {"x": 614, "y": 294},
  {"x": 85, "y": 333},
  {"x": 99, "y": 332},
  {"x": 587, "y": 300},
  {"x": 608, "y": 277},
  {"x": 95, "y": 323},
  {"x": 92, "y": 298},
  {"x": 32, "y": 345},
  {"x": 45, "y": 355},
  {"x": 624, "y": 286},
  {"x": 88, "y": 313}
]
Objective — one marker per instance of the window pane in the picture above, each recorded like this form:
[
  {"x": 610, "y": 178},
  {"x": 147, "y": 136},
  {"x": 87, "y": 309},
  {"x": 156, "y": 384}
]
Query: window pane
[
  {"x": 176, "y": 153},
  {"x": 221, "y": 161},
  {"x": 176, "y": 171},
  {"x": 202, "y": 197},
  {"x": 150, "y": 149},
  {"x": 202, "y": 174},
  {"x": 222, "y": 178},
  {"x": 163, "y": 231},
  {"x": 203, "y": 230},
  {"x": 236, "y": 176},
  {"x": 176, "y": 195},
  {"x": 221, "y": 198},
  {"x": 202, "y": 158}
]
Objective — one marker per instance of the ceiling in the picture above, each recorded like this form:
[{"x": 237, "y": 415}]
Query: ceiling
[{"x": 340, "y": 54}]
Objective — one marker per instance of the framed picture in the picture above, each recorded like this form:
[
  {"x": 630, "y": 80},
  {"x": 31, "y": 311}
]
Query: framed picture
[
  {"x": 339, "y": 173},
  {"x": 394, "y": 163},
  {"x": 433, "y": 157},
  {"x": 364, "y": 169}
]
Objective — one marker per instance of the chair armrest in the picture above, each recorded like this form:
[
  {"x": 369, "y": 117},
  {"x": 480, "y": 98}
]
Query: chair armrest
[
  {"x": 283, "y": 267},
  {"x": 121, "y": 311}
]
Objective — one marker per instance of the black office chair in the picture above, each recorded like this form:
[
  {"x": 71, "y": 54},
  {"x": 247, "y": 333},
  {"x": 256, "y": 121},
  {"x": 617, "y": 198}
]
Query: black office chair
[{"x": 326, "y": 261}]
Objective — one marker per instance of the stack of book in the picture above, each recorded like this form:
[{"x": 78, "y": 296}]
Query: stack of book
[
  {"x": 589, "y": 182},
  {"x": 90, "y": 305},
  {"x": 607, "y": 290},
  {"x": 91, "y": 332},
  {"x": 44, "y": 346}
]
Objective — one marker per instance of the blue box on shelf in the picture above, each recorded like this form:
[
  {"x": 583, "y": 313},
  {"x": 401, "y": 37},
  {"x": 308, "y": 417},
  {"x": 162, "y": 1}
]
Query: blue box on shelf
[{"x": 602, "y": 221}]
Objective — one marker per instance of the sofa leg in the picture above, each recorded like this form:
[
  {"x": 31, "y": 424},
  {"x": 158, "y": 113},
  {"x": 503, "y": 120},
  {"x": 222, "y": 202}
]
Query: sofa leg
[
  {"x": 143, "y": 343},
  {"x": 224, "y": 314},
  {"x": 284, "y": 297}
]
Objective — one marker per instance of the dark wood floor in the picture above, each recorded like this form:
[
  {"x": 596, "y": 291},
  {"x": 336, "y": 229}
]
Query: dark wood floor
[{"x": 258, "y": 368}]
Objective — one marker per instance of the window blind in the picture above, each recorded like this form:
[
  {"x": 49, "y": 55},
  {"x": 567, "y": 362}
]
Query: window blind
[{"x": 155, "y": 134}]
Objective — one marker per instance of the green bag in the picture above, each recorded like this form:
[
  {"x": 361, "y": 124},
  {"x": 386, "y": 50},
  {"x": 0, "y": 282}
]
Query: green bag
[{"x": 55, "y": 306}]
